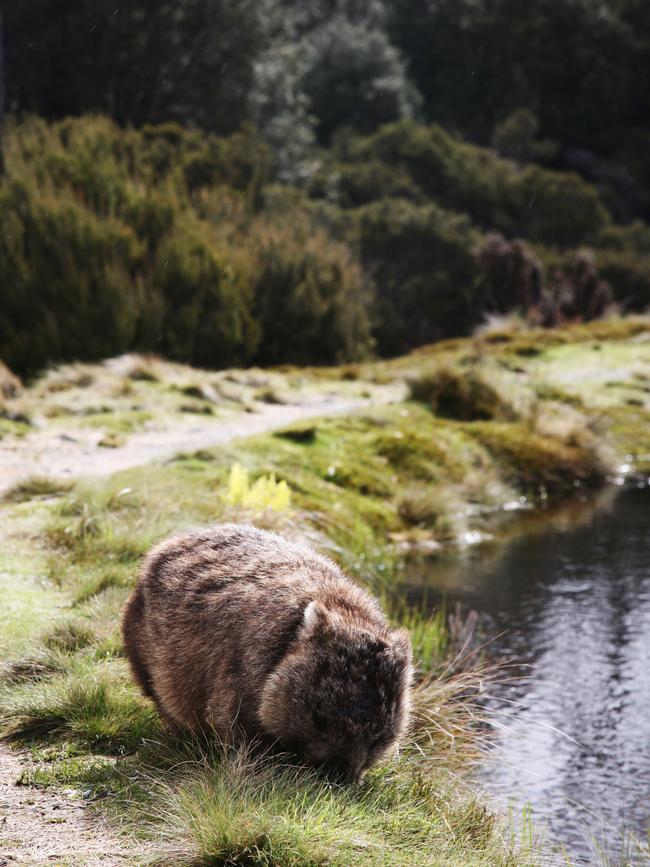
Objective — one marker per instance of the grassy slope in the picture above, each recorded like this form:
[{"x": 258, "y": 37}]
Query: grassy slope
[{"x": 562, "y": 408}]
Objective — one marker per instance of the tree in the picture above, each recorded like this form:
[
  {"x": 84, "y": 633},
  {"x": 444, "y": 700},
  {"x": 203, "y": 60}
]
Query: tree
[
  {"x": 356, "y": 78},
  {"x": 146, "y": 61}
]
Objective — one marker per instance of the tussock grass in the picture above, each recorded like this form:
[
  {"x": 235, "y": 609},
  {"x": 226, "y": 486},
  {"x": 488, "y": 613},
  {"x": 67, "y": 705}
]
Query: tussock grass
[
  {"x": 68, "y": 636},
  {"x": 91, "y": 702},
  {"x": 232, "y": 807},
  {"x": 32, "y": 667},
  {"x": 36, "y": 486}
]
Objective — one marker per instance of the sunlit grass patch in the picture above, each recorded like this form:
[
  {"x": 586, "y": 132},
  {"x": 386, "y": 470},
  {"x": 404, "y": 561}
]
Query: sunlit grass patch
[
  {"x": 228, "y": 807},
  {"x": 90, "y": 702},
  {"x": 69, "y": 636}
]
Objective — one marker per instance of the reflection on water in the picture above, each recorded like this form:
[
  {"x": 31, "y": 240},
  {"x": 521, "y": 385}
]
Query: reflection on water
[{"x": 570, "y": 601}]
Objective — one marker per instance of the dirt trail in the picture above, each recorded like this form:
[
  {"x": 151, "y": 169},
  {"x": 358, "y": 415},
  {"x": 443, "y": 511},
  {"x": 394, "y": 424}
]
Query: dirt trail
[
  {"x": 39, "y": 827},
  {"x": 58, "y": 454}
]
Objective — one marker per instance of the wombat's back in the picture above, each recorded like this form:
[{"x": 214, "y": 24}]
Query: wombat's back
[{"x": 215, "y": 611}]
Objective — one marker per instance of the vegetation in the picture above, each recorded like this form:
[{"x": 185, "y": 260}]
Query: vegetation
[
  {"x": 170, "y": 241},
  {"x": 313, "y": 182},
  {"x": 487, "y": 423},
  {"x": 304, "y": 71}
]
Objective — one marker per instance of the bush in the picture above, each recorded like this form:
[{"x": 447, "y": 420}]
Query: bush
[
  {"x": 65, "y": 279},
  {"x": 207, "y": 320},
  {"x": 430, "y": 164},
  {"x": 512, "y": 276},
  {"x": 558, "y": 208},
  {"x": 629, "y": 276},
  {"x": 310, "y": 297},
  {"x": 117, "y": 240},
  {"x": 420, "y": 260},
  {"x": 576, "y": 291}
]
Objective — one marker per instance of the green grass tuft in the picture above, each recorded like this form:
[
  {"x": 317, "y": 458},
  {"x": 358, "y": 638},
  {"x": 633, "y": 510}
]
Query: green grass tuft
[
  {"x": 36, "y": 486},
  {"x": 69, "y": 636},
  {"x": 89, "y": 703}
]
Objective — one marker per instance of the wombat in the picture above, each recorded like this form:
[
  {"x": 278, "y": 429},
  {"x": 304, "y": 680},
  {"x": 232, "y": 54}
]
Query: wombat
[{"x": 235, "y": 630}]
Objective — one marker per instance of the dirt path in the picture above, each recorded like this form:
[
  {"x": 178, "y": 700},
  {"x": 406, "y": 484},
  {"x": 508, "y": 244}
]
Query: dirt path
[
  {"x": 58, "y": 454},
  {"x": 39, "y": 827}
]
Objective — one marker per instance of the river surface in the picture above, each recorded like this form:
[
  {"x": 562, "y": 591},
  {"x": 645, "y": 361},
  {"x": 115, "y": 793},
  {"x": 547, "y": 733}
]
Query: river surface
[{"x": 568, "y": 600}]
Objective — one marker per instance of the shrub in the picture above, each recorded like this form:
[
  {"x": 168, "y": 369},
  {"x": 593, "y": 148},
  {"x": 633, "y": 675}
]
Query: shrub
[
  {"x": 207, "y": 304},
  {"x": 66, "y": 279},
  {"x": 515, "y": 135},
  {"x": 511, "y": 275},
  {"x": 464, "y": 394},
  {"x": 115, "y": 240},
  {"x": 310, "y": 297},
  {"x": 545, "y": 206},
  {"x": 624, "y": 261},
  {"x": 452, "y": 174},
  {"x": 558, "y": 208},
  {"x": 420, "y": 260},
  {"x": 576, "y": 291}
]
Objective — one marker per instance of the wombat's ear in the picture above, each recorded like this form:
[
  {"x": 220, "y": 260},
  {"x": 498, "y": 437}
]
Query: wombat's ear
[
  {"x": 401, "y": 644},
  {"x": 314, "y": 616}
]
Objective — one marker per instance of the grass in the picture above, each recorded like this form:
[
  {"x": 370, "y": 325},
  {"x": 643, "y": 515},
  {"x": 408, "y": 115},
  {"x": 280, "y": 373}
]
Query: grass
[
  {"x": 70, "y": 692},
  {"x": 36, "y": 486},
  {"x": 366, "y": 489},
  {"x": 233, "y": 809}
]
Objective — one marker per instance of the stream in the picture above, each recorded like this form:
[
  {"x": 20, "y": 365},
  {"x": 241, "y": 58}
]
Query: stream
[{"x": 567, "y": 601}]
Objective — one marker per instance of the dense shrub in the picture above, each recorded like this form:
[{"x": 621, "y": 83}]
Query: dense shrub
[
  {"x": 420, "y": 260},
  {"x": 112, "y": 240},
  {"x": 624, "y": 261},
  {"x": 310, "y": 297},
  {"x": 629, "y": 276},
  {"x": 173, "y": 241},
  {"x": 558, "y": 208},
  {"x": 207, "y": 317},
  {"x": 65, "y": 279},
  {"x": 429, "y": 164},
  {"x": 512, "y": 277},
  {"x": 576, "y": 290}
]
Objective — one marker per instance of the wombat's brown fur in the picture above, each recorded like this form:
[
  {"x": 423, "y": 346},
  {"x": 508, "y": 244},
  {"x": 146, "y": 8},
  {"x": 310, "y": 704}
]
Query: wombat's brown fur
[{"x": 234, "y": 629}]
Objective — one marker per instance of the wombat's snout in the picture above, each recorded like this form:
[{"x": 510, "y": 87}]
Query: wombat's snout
[{"x": 343, "y": 772}]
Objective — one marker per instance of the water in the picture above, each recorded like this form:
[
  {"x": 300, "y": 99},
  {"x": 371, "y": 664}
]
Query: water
[{"x": 569, "y": 600}]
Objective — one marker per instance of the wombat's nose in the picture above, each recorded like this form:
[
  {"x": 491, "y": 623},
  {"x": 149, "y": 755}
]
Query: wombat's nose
[{"x": 338, "y": 771}]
